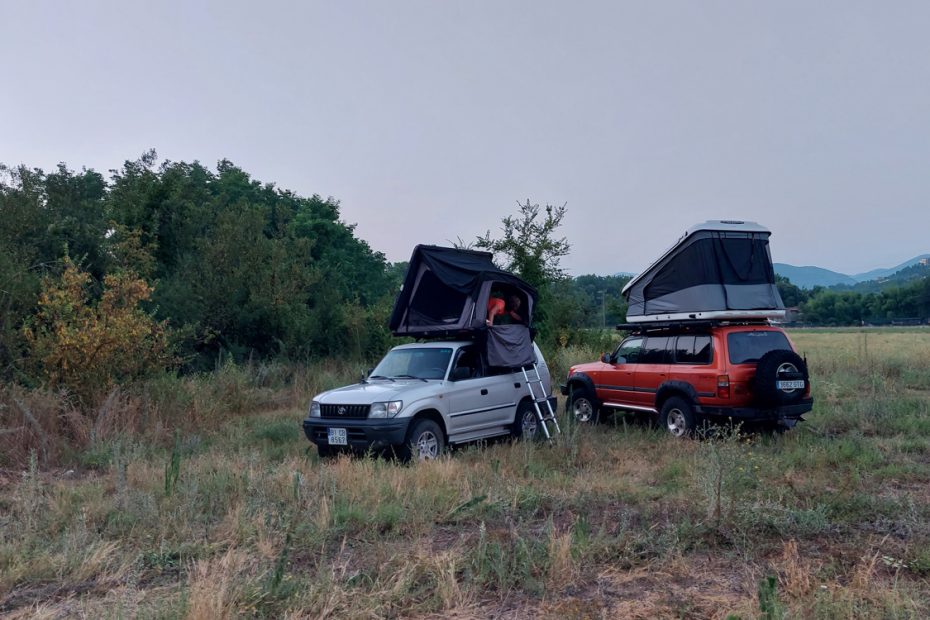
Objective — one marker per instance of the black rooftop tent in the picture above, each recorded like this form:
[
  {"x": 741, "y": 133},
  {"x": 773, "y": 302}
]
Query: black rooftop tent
[
  {"x": 445, "y": 294},
  {"x": 720, "y": 269}
]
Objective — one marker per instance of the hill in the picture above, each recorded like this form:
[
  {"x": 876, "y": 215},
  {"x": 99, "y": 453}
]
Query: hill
[
  {"x": 809, "y": 276},
  {"x": 878, "y": 274}
]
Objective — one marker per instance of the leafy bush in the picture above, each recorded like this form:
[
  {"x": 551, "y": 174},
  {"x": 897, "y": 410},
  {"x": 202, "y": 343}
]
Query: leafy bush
[{"x": 89, "y": 347}]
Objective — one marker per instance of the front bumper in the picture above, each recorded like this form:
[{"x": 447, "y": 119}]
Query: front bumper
[
  {"x": 362, "y": 434},
  {"x": 786, "y": 414}
]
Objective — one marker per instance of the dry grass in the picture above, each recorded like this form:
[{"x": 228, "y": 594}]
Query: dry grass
[{"x": 610, "y": 521}]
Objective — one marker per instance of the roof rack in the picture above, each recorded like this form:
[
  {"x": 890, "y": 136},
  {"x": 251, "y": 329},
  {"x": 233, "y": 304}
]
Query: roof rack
[{"x": 691, "y": 325}]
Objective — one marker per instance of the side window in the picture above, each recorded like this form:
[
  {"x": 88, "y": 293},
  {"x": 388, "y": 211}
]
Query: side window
[
  {"x": 629, "y": 351},
  {"x": 702, "y": 350},
  {"x": 656, "y": 351},
  {"x": 684, "y": 350},
  {"x": 693, "y": 349},
  {"x": 467, "y": 364}
]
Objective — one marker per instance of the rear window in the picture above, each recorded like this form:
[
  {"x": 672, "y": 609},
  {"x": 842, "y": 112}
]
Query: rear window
[{"x": 748, "y": 347}]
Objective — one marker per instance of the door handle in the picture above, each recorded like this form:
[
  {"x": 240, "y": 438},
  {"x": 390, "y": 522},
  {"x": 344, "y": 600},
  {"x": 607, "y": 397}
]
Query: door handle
[{"x": 484, "y": 391}]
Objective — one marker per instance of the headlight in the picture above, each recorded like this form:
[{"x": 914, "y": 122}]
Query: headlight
[
  {"x": 314, "y": 409},
  {"x": 385, "y": 410}
]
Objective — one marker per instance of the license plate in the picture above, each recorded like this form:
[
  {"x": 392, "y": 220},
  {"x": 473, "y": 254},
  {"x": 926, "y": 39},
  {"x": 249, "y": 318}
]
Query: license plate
[
  {"x": 337, "y": 437},
  {"x": 791, "y": 385}
]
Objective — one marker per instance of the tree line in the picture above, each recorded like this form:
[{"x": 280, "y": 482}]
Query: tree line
[
  {"x": 221, "y": 263},
  {"x": 823, "y": 306},
  {"x": 174, "y": 265}
]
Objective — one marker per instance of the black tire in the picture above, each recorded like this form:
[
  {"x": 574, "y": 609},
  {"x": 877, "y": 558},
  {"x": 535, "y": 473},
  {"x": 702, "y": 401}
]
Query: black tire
[
  {"x": 425, "y": 441},
  {"x": 582, "y": 406},
  {"x": 525, "y": 422},
  {"x": 677, "y": 417},
  {"x": 775, "y": 366}
]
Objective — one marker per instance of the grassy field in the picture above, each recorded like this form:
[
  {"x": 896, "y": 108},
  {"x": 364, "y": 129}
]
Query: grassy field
[{"x": 238, "y": 518}]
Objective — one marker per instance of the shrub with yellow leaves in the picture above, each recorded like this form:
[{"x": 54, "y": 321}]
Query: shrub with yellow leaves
[{"x": 87, "y": 345}]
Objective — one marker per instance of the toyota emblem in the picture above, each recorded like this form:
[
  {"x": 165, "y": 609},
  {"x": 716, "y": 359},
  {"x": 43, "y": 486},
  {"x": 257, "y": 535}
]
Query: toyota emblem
[{"x": 341, "y": 410}]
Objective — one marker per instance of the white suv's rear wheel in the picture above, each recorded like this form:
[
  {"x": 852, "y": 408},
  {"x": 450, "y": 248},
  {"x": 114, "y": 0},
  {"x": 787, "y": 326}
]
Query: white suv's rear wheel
[{"x": 526, "y": 423}]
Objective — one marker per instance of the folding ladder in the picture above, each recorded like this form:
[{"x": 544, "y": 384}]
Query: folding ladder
[{"x": 547, "y": 416}]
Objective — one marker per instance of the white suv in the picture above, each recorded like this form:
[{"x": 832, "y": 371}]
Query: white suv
[{"x": 422, "y": 397}]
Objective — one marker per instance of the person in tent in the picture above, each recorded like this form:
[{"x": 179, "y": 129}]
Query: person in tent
[
  {"x": 512, "y": 311},
  {"x": 496, "y": 306},
  {"x": 502, "y": 312}
]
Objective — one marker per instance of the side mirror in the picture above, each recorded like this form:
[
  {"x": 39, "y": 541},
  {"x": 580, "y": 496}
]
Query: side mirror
[{"x": 606, "y": 358}]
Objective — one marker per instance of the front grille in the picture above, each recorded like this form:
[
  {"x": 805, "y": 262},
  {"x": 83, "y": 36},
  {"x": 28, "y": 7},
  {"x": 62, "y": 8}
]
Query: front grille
[{"x": 344, "y": 411}]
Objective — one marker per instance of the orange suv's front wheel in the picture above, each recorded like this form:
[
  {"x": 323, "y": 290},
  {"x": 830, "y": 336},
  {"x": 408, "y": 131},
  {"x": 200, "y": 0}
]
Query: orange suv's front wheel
[{"x": 582, "y": 406}]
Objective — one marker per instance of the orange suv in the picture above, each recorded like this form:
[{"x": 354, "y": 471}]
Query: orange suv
[{"x": 689, "y": 372}]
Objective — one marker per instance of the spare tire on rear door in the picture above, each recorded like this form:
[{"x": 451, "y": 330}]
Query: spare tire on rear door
[{"x": 781, "y": 378}]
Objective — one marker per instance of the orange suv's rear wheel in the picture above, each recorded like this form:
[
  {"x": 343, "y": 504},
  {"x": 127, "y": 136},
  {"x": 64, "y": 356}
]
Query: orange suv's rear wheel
[{"x": 677, "y": 417}]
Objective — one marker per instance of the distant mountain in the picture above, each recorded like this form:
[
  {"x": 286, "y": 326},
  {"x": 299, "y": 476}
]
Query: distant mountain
[
  {"x": 877, "y": 274},
  {"x": 809, "y": 276}
]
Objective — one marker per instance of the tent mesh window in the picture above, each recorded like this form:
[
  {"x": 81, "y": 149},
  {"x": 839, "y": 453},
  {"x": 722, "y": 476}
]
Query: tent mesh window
[
  {"x": 435, "y": 302},
  {"x": 712, "y": 261}
]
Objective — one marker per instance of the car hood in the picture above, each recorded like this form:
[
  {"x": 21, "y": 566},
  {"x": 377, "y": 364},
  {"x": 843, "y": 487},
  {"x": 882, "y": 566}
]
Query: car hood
[
  {"x": 588, "y": 367},
  {"x": 378, "y": 391}
]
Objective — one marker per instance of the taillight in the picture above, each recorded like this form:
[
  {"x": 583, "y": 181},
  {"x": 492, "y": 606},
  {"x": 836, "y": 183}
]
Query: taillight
[{"x": 723, "y": 386}]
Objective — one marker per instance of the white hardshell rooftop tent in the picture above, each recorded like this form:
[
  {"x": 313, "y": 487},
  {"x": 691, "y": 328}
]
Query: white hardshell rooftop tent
[{"x": 721, "y": 269}]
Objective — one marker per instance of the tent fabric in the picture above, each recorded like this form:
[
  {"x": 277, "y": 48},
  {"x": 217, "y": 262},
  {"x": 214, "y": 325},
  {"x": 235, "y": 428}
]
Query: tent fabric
[
  {"x": 725, "y": 271},
  {"x": 509, "y": 346},
  {"x": 446, "y": 292}
]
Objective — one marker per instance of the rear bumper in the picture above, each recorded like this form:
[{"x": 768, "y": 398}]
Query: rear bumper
[
  {"x": 362, "y": 434},
  {"x": 787, "y": 414}
]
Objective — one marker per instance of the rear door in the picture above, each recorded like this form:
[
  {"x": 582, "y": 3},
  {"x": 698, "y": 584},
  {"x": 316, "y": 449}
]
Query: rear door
[
  {"x": 652, "y": 370},
  {"x": 693, "y": 364}
]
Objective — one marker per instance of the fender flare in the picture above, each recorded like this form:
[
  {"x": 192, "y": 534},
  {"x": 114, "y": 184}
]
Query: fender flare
[
  {"x": 585, "y": 381},
  {"x": 673, "y": 387}
]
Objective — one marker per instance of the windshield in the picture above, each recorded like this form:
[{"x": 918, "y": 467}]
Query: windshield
[
  {"x": 426, "y": 363},
  {"x": 748, "y": 347}
]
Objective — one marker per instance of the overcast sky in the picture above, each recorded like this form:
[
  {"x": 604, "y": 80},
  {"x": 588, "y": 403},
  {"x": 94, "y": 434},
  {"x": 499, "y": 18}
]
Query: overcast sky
[{"x": 429, "y": 120}]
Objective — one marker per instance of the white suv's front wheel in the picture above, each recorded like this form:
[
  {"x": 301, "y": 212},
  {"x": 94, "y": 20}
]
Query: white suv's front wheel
[{"x": 425, "y": 441}]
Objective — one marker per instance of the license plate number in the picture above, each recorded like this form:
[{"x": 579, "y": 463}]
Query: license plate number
[
  {"x": 791, "y": 385},
  {"x": 337, "y": 437}
]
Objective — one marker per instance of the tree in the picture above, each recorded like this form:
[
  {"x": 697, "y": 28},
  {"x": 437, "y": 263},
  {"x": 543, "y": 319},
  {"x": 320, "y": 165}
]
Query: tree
[{"x": 528, "y": 245}]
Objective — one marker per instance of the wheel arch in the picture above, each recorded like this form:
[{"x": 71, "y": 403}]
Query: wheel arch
[
  {"x": 676, "y": 388},
  {"x": 429, "y": 413},
  {"x": 580, "y": 380}
]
